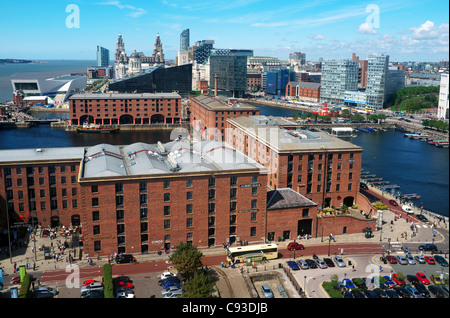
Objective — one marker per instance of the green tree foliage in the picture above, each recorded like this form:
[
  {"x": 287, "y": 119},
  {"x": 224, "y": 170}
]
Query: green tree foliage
[
  {"x": 108, "y": 281},
  {"x": 413, "y": 99},
  {"x": 198, "y": 286},
  {"x": 187, "y": 259},
  {"x": 439, "y": 124},
  {"x": 24, "y": 291}
]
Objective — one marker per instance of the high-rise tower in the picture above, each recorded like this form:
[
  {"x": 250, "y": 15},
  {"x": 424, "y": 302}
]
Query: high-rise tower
[
  {"x": 158, "y": 55},
  {"x": 184, "y": 40}
]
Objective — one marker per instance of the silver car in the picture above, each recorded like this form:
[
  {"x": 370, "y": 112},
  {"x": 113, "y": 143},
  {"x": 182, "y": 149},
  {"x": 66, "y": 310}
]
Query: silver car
[
  {"x": 339, "y": 261},
  {"x": 420, "y": 259},
  {"x": 267, "y": 292},
  {"x": 45, "y": 289},
  {"x": 410, "y": 259},
  {"x": 321, "y": 263},
  {"x": 302, "y": 264},
  {"x": 170, "y": 290},
  {"x": 402, "y": 260},
  {"x": 173, "y": 294}
]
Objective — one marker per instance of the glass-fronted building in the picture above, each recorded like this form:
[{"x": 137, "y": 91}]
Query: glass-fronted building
[
  {"x": 338, "y": 76},
  {"x": 231, "y": 68},
  {"x": 184, "y": 40},
  {"x": 377, "y": 70},
  {"x": 102, "y": 57},
  {"x": 158, "y": 79}
]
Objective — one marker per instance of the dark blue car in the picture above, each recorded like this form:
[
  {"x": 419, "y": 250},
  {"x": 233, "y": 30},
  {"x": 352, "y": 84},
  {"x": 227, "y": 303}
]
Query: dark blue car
[{"x": 293, "y": 265}]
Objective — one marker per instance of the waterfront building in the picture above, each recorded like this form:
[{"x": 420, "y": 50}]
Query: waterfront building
[
  {"x": 53, "y": 90},
  {"x": 202, "y": 50},
  {"x": 138, "y": 198},
  {"x": 303, "y": 91},
  {"x": 159, "y": 78},
  {"x": 102, "y": 57},
  {"x": 277, "y": 80},
  {"x": 443, "y": 98},
  {"x": 126, "y": 65},
  {"x": 338, "y": 76},
  {"x": 317, "y": 165},
  {"x": 362, "y": 73},
  {"x": 230, "y": 66},
  {"x": 355, "y": 98},
  {"x": 184, "y": 40},
  {"x": 209, "y": 115},
  {"x": 395, "y": 81},
  {"x": 376, "y": 80},
  {"x": 121, "y": 109},
  {"x": 98, "y": 72}
]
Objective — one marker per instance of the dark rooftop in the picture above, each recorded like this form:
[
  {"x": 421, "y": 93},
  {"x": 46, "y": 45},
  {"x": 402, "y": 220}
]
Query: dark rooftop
[{"x": 287, "y": 198}]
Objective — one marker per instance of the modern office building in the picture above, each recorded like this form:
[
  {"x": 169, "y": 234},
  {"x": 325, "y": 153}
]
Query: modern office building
[
  {"x": 297, "y": 58},
  {"x": 322, "y": 168},
  {"x": 184, "y": 40},
  {"x": 160, "y": 79},
  {"x": 121, "y": 109},
  {"x": 395, "y": 81},
  {"x": 377, "y": 70},
  {"x": 209, "y": 115},
  {"x": 202, "y": 50},
  {"x": 99, "y": 72},
  {"x": 276, "y": 81},
  {"x": 362, "y": 74},
  {"x": 443, "y": 98},
  {"x": 355, "y": 98},
  {"x": 338, "y": 76},
  {"x": 102, "y": 57},
  {"x": 231, "y": 68}
]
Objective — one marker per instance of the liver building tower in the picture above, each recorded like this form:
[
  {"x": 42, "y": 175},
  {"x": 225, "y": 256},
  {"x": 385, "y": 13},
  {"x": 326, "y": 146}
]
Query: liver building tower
[{"x": 126, "y": 65}]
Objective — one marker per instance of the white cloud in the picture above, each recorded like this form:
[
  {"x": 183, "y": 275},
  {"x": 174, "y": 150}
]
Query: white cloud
[
  {"x": 135, "y": 12},
  {"x": 316, "y": 37},
  {"x": 426, "y": 31},
  {"x": 366, "y": 29}
]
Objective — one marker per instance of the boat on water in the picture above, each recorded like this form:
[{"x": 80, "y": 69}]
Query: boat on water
[
  {"x": 436, "y": 141},
  {"x": 96, "y": 129},
  {"x": 443, "y": 144}
]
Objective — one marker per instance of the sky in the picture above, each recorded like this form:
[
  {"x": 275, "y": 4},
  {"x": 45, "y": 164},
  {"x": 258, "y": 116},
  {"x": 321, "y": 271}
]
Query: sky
[{"x": 414, "y": 30}]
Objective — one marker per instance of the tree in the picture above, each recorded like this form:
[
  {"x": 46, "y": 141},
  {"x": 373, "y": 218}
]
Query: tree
[
  {"x": 199, "y": 286},
  {"x": 187, "y": 259}
]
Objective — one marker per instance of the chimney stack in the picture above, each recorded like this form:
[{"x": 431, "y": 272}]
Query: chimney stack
[{"x": 216, "y": 77}]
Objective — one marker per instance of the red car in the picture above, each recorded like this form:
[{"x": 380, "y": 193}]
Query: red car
[
  {"x": 393, "y": 202},
  {"x": 397, "y": 280},
  {"x": 295, "y": 246},
  {"x": 422, "y": 278},
  {"x": 391, "y": 259},
  {"x": 429, "y": 260},
  {"x": 90, "y": 281},
  {"x": 123, "y": 285}
]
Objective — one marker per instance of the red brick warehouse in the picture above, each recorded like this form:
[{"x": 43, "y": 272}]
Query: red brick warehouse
[{"x": 122, "y": 109}]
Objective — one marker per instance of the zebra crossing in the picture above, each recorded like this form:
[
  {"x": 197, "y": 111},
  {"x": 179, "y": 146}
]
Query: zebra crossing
[{"x": 427, "y": 226}]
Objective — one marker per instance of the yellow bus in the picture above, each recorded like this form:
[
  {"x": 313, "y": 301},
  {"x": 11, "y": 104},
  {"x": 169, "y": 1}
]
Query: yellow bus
[{"x": 252, "y": 253}]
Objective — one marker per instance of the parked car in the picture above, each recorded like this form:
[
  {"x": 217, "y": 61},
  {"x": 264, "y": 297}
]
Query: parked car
[
  {"x": 92, "y": 286},
  {"x": 370, "y": 294},
  {"x": 357, "y": 294},
  {"x": 388, "y": 281},
  {"x": 347, "y": 294},
  {"x": 125, "y": 258},
  {"x": 293, "y": 265},
  {"x": 422, "y": 278},
  {"x": 170, "y": 289},
  {"x": 47, "y": 254},
  {"x": 393, "y": 202},
  {"x": 295, "y": 246},
  {"x": 347, "y": 283},
  {"x": 422, "y": 218},
  {"x": 339, "y": 261},
  {"x": 45, "y": 289},
  {"x": 90, "y": 281},
  {"x": 423, "y": 290},
  {"x": 436, "y": 291},
  {"x": 410, "y": 259},
  {"x": 267, "y": 292},
  {"x": 381, "y": 293},
  {"x": 391, "y": 259},
  {"x": 445, "y": 290},
  {"x": 392, "y": 293},
  {"x": 420, "y": 259},
  {"x": 174, "y": 294},
  {"x": 125, "y": 295},
  {"x": 441, "y": 260},
  {"x": 428, "y": 248},
  {"x": 429, "y": 260},
  {"x": 92, "y": 294},
  {"x": 364, "y": 186},
  {"x": 168, "y": 279},
  {"x": 412, "y": 279},
  {"x": 166, "y": 275},
  {"x": 402, "y": 260},
  {"x": 311, "y": 263},
  {"x": 397, "y": 279},
  {"x": 406, "y": 208},
  {"x": 436, "y": 279},
  {"x": 123, "y": 285},
  {"x": 414, "y": 292},
  {"x": 402, "y": 292},
  {"x": 329, "y": 262},
  {"x": 321, "y": 263},
  {"x": 302, "y": 264}
]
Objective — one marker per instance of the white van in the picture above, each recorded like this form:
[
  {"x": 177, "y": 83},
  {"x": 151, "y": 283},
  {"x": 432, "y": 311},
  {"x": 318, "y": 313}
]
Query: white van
[{"x": 407, "y": 209}]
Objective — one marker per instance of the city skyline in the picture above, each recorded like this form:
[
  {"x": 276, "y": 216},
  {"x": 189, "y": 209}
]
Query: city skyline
[{"x": 328, "y": 29}]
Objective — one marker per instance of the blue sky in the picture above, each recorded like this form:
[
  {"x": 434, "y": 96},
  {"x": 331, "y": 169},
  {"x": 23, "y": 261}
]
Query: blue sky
[{"x": 331, "y": 29}]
